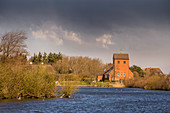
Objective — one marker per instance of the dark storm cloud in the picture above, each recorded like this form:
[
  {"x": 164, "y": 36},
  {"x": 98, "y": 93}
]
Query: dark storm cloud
[
  {"x": 100, "y": 13},
  {"x": 90, "y": 14},
  {"x": 32, "y": 9},
  {"x": 90, "y": 18}
]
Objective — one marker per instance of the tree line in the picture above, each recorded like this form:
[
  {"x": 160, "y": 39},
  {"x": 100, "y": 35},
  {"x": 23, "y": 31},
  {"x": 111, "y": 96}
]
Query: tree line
[
  {"x": 86, "y": 68},
  {"x": 45, "y": 58}
]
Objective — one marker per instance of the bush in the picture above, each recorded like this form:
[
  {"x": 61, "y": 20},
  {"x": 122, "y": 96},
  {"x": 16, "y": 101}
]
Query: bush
[
  {"x": 67, "y": 84},
  {"x": 67, "y": 90},
  {"x": 154, "y": 82},
  {"x": 26, "y": 81}
]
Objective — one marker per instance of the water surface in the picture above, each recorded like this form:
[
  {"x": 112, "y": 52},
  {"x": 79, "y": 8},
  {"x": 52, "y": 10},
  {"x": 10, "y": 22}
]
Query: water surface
[{"x": 96, "y": 99}]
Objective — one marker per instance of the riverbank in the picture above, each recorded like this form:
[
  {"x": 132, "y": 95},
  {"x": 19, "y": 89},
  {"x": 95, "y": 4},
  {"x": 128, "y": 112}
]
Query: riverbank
[
  {"x": 95, "y": 84},
  {"x": 115, "y": 85},
  {"x": 133, "y": 83}
]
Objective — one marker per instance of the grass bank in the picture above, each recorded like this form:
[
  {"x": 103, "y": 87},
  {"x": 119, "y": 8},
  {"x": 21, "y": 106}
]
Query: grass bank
[{"x": 93, "y": 84}]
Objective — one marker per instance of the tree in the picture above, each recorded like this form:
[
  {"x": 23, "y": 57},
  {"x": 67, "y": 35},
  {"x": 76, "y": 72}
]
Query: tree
[
  {"x": 59, "y": 56},
  {"x": 45, "y": 60},
  {"x": 50, "y": 58},
  {"x": 34, "y": 59},
  {"x": 40, "y": 57},
  {"x": 137, "y": 71},
  {"x": 12, "y": 44}
]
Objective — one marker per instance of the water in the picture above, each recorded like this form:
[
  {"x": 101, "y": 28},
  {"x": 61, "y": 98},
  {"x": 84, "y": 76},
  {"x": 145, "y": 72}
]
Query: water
[{"x": 92, "y": 99}]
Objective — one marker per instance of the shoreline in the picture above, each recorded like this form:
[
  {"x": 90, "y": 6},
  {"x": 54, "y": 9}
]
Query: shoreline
[
  {"x": 116, "y": 85},
  {"x": 113, "y": 86}
]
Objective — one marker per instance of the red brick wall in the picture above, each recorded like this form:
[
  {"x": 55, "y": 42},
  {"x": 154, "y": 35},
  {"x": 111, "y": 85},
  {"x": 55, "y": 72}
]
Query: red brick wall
[
  {"x": 99, "y": 77},
  {"x": 121, "y": 70}
]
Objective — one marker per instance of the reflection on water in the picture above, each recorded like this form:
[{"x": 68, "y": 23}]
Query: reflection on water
[{"x": 91, "y": 99}]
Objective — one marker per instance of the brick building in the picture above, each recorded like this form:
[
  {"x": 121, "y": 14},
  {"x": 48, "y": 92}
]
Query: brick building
[{"x": 119, "y": 70}]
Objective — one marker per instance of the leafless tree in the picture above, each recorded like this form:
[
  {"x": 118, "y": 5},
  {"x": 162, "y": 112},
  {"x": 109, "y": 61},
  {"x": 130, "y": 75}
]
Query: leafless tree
[
  {"x": 86, "y": 68},
  {"x": 12, "y": 44}
]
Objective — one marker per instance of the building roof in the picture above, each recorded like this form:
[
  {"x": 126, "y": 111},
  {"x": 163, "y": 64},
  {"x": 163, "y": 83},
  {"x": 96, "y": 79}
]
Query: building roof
[
  {"x": 154, "y": 70},
  {"x": 121, "y": 56},
  {"x": 108, "y": 70}
]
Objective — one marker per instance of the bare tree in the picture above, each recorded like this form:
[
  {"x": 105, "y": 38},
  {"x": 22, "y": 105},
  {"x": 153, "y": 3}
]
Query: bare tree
[{"x": 12, "y": 44}]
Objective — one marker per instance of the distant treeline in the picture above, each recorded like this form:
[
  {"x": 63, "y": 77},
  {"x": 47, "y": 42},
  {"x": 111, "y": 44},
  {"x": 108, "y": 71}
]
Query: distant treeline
[
  {"x": 45, "y": 58},
  {"x": 86, "y": 68}
]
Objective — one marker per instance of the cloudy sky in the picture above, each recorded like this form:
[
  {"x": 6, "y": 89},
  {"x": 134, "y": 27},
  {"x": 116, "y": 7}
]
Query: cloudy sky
[{"x": 94, "y": 28}]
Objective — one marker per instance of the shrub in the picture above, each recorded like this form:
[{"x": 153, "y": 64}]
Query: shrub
[
  {"x": 154, "y": 82},
  {"x": 26, "y": 81},
  {"x": 67, "y": 84},
  {"x": 67, "y": 90}
]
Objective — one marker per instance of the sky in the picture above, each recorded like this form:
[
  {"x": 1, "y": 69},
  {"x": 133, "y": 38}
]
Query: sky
[{"x": 94, "y": 28}]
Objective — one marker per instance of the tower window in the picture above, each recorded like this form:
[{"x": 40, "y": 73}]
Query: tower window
[
  {"x": 121, "y": 74},
  {"x": 124, "y": 74},
  {"x": 118, "y": 74},
  {"x": 118, "y": 62},
  {"x": 124, "y": 62}
]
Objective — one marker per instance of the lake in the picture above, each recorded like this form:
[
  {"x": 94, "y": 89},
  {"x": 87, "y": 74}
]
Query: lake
[{"x": 96, "y": 99}]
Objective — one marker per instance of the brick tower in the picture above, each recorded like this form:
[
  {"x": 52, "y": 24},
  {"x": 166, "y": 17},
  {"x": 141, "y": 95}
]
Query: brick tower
[{"x": 121, "y": 67}]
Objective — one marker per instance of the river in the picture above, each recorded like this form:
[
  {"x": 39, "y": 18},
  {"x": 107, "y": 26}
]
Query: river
[{"x": 97, "y": 100}]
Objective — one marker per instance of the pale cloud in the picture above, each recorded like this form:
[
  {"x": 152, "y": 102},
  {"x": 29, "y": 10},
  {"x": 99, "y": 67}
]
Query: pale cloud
[
  {"x": 105, "y": 40},
  {"x": 47, "y": 34},
  {"x": 72, "y": 36},
  {"x": 55, "y": 33}
]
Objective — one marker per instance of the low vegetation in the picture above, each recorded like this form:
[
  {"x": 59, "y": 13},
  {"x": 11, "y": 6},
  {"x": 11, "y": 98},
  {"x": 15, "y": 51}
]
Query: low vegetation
[
  {"x": 67, "y": 85},
  {"x": 151, "y": 80},
  {"x": 26, "y": 81},
  {"x": 154, "y": 82}
]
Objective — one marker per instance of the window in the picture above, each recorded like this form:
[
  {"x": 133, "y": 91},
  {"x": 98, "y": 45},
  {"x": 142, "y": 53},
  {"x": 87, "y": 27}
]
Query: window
[
  {"x": 121, "y": 74},
  {"x": 124, "y": 74},
  {"x": 118, "y": 62},
  {"x": 118, "y": 74},
  {"x": 124, "y": 62}
]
